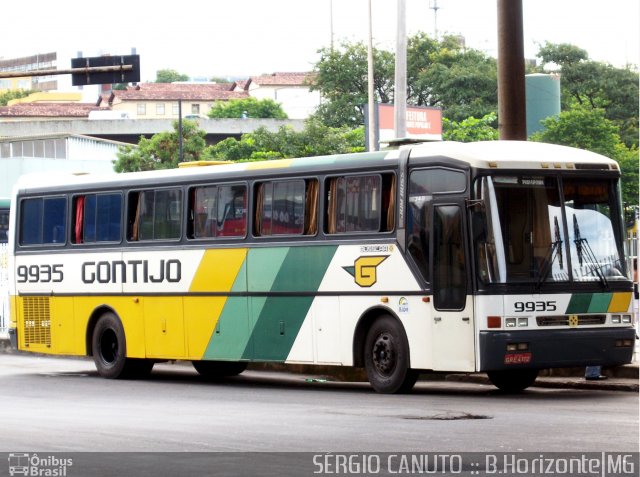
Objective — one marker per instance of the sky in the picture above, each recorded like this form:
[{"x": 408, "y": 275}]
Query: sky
[{"x": 226, "y": 38}]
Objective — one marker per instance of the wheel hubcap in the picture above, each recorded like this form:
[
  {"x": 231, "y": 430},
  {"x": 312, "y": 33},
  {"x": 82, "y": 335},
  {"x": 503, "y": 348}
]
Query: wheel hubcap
[
  {"x": 108, "y": 346},
  {"x": 384, "y": 355}
]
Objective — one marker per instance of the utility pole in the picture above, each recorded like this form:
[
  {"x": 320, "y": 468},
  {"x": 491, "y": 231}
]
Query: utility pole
[
  {"x": 371, "y": 100},
  {"x": 400, "y": 96},
  {"x": 512, "y": 114},
  {"x": 433, "y": 5},
  {"x": 331, "y": 22}
]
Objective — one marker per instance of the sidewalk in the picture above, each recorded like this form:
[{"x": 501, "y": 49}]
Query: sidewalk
[{"x": 621, "y": 378}]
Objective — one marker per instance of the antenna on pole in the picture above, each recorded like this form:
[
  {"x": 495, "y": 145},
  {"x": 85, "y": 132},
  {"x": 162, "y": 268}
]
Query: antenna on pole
[{"x": 433, "y": 5}]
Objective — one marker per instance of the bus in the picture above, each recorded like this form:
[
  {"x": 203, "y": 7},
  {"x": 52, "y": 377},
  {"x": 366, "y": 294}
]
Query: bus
[
  {"x": 499, "y": 257},
  {"x": 4, "y": 219}
]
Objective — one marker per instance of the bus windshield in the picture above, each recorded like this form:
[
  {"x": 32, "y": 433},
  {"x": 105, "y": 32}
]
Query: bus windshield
[{"x": 526, "y": 230}]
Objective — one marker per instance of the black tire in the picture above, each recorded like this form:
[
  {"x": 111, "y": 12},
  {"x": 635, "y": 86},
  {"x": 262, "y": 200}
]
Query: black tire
[
  {"x": 219, "y": 369},
  {"x": 386, "y": 357},
  {"x": 513, "y": 381},
  {"x": 109, "y": 348}
]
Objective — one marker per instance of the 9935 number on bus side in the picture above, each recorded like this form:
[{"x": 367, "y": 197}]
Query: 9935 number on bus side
[{"x": 39, "y": 273}]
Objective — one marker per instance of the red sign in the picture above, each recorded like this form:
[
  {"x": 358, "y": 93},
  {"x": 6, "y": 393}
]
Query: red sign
[
  {"x": 420, "y": 121},
  {"x": 517, "y": 358}
]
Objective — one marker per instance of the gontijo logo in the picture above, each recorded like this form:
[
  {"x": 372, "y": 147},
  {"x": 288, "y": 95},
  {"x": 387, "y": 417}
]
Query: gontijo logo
[{"x": 364, "y": 270}]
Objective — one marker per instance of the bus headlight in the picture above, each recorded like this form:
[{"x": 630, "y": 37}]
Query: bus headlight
[
  {"x": 510, "y": 322},
  {"x": 615, "y": 319},
  {"x": 626, "y": 319}
]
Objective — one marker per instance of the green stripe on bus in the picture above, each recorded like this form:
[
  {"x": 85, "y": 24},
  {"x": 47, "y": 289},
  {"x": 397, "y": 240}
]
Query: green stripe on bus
[
  {"x": 231, "y": 334},
  {"x": 579, "y": 303},
  {"x": 600, "y": 302},
  {"x": 250, "y": 327},
  {"x": 278, "y": 319}
]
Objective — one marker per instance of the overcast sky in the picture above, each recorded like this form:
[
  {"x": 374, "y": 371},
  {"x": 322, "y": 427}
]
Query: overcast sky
[{"x": 250, "y": 37}]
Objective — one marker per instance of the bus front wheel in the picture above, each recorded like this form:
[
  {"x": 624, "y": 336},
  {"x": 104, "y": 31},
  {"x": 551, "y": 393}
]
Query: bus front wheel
[
  {"x": 110, "y": 351},
  {"x": 513, "y": 381},
  {"x": 386, "y": 357}
]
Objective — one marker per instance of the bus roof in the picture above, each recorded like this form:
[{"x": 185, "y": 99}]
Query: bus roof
[{"x": 487, "y": 154}]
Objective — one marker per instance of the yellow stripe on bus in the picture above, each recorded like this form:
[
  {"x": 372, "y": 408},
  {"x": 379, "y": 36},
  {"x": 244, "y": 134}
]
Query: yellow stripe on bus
[
  {"x": 218, "y": 270},
  {"x": 620, "y": 303}
]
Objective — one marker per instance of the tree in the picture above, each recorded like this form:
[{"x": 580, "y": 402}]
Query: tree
[
  {"x": 341, "y": 78},
  {"x": 170, "y": 76},
  {"x": 249, "y": 107},
  {"x": 471, "y": 129},
  {"x": 161, "y": 151},
  {"x": 316, "y": 139},
  {"x": 589, "y": 129},
  {"x": 460, "y": 80},
  {"x": 13, "y": 94},
  {"x": 593, "y": 84},
  {"x": 561, "y": 54}
]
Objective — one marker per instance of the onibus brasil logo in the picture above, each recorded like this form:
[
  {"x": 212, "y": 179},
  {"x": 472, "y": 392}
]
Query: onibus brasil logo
[
  {"x": 34, "y": 465},
  {"x": 365, "y": 269}
]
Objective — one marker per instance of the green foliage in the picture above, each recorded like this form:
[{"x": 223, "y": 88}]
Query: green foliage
[
  {"x": 341, "y": 77},
  {"x": 249, "y": 107},
  {"x": 561, "y": 54},
  {"x": 439, "y": 73},
  {"x": 462, "y": 81},
  {"x": 13, "y": 94},
  {"x": 161, "y": 151},
  {"x": 316, "y": 139},
  {"x": 597, "y": 85},
  {"x": 589, "y": 129},
  {"x": 471, "y": 129},
  {"x": 170, "y": 76}
]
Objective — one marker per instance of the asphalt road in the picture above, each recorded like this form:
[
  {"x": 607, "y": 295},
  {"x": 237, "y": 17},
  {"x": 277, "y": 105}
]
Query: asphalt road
[{"x": 61, "y": 405}]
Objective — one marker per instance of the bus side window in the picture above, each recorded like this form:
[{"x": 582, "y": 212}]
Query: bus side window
[
  {"x": 133, "y": 217},
  {"x": 43, "y": 221},
  {"x": 232, "y": 211},
  {"x": 364, "y": 203},
  {"x": 287, "y": 207}
]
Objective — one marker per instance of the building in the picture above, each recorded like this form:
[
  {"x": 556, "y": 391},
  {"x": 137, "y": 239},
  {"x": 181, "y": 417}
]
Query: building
[
  {"x": 47, "y": 106},
  {"x": 54, "y": 153},
  {"x": 291, "y": 90},
  {"x": 163, "y": 100}
]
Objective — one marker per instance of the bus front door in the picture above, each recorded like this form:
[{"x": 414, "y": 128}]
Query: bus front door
[{"x": 452, "y": 323}]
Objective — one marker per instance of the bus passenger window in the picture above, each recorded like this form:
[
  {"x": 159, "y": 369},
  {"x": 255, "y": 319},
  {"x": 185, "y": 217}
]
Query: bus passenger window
[
  {"x": 286, "y": 208},
  {"x": 232, "y": 211},
  {"x": 43, "y": 221},
  {"x": 96, "y": 218},
  {"x": 217, "y": 211},
  {"x": 360, "y": 204},
  {"x": 155, "y": 214}
]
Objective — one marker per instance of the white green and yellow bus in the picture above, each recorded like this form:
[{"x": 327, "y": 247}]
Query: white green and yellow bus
[
  {"x": 4, "y": 219},
  {"x": 497, "y": 257}
]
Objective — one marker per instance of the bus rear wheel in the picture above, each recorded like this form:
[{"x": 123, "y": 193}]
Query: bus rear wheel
[
  {"x": 110, "y": 351},
  {"x": 513, "y": 381},
  {"x": 219, "y": 369},
  {"x": 386, "y": 357}
]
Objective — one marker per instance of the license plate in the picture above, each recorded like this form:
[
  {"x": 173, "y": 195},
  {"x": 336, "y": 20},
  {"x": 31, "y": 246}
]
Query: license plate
[{"x": 517, "y": 358}]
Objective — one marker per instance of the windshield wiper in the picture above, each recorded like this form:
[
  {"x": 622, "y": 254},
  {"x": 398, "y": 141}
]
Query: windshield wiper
[
  {"x": 555, "y": 250},
  {"x": 586, "y": 255}
]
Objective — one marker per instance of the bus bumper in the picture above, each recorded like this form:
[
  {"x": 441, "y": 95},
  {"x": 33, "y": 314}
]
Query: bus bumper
[
  {"x": 555, "y": 348},
  {"x": 13, "y": 338}
]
